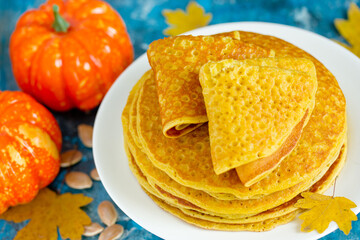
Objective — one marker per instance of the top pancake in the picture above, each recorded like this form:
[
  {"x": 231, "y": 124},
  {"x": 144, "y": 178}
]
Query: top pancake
[
  {"x": 253, "y": 109},
  {"x": 187, "y": 159},
  {"x": 176, "y": 62}
]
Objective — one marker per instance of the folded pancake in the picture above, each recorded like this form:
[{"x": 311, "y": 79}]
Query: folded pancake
[
  {"x": 257, "y": 110},
  {"x": 176, "y": 62},
  {"x": 187, "y": 159},
  {"x": 253, "y": 172}
]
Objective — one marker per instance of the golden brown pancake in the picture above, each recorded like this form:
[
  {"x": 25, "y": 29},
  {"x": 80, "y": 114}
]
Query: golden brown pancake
[
  {"x": 253, "y": 107},
  {"x": 176, "y": 62},
  {"x": 202, "y": 199},
  {"x": 187, "y": 207},
  {"x": 252, "y": 172},
  {"x": 178, "y": 172},
  {"x": 187, "y": 159}
]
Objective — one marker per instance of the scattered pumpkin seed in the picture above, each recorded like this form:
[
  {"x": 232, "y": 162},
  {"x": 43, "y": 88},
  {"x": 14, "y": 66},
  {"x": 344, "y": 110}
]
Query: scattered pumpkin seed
[
  {"x": 92, "y": 229},
  {"x": 107, "y": 213},
  {"x": 111, "y": 233},
  {"x": 70, "y": 157},
  {"x": 78, "y": 180},
  {"x": 85, "y": 134},
  {"x": 94, "y": 175}
]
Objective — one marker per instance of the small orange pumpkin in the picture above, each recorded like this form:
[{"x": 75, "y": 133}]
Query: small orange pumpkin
[
  {"x": 68, "y": 53},
  {"x": 30, "y": 142}
]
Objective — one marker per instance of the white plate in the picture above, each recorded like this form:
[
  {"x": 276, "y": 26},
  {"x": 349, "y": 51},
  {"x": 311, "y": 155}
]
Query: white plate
[{"x": 111, "y": 161}]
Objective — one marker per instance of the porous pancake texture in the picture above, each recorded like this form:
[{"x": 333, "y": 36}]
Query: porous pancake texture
[
  {"x": 176, "y": 62},
  {"x": 178, "y": 173},
  {"x": 253, "y": 106}
]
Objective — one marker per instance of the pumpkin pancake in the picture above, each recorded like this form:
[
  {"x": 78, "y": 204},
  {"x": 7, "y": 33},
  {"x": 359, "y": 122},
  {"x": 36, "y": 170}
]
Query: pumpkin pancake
[
  {"x": 285, "y": 208},
  {"x": 257, "y": 110},
  {"x": 209, "y": 218},
  {"x": 187, "y": 159},
  {"x": 179, "y": 171},
  {"x": 205, "y": 201},
  {"x": 176, "y": 62}
]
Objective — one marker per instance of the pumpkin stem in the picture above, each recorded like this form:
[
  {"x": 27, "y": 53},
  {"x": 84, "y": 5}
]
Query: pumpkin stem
[{"x": 59, "y": 24}]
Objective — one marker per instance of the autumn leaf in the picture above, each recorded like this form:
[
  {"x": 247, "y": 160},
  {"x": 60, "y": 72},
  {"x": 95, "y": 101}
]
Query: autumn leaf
[
  {"x": 350, "y": 29},
  {"x": 49, "y": 211},
  {"x": 324, "y": 209},
  {"x": 180, "y": 21}
]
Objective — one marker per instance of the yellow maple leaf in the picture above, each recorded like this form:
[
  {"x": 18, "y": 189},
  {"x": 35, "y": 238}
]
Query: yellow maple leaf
[
  {"x": 180, "y": 21},
  {"x": 49, "y": 211},
  {"x": 325, "y": 209},
  {"x": 350, "y": 29}
]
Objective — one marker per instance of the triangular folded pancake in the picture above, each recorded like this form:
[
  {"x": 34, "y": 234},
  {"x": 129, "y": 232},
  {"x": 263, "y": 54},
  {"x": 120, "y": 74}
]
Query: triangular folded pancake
[
  {"x": 253, "y": 107},
  {"x": 176, "y": 62},
  {"x": 255, "y": 171}
]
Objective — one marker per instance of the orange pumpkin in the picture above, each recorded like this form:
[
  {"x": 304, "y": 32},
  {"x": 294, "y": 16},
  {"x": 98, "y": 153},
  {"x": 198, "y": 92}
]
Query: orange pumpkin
[
  {"x": 30, "y": 141},
  {"x": 68, "y": 53}
]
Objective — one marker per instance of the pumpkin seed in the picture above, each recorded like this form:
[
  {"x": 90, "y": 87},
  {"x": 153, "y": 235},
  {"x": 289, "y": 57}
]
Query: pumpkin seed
[
  {"x": 85, "y": 134},
  {"x": 78, "y": 180},
  {"x": 92, "y": 229},
  {"x": 94, "y": 175},
  {"x": 70, "y": 157},
  {"x": 107, "y": 213},
  {"x": 111, "y": 233}
]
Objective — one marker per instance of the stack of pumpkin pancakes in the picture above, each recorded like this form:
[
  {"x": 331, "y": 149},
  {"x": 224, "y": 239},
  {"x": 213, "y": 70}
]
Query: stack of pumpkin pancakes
[{"x": 226, "y": 131}]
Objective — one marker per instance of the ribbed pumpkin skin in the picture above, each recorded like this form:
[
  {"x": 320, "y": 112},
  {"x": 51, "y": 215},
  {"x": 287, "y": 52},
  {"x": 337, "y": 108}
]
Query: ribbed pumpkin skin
[
  {"x": 72, "y": 69},
  {"x": 30, "y": 142}
]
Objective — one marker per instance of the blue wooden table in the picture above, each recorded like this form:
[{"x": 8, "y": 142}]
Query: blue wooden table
[{"x": 146, "y": 23}]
